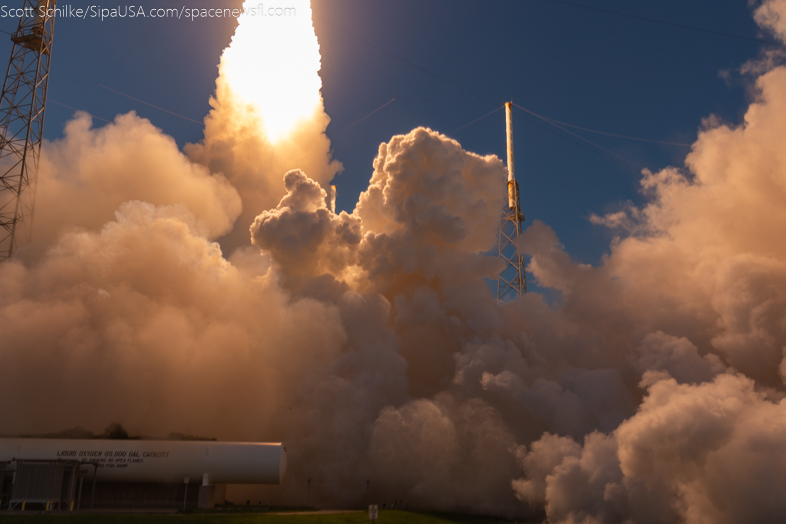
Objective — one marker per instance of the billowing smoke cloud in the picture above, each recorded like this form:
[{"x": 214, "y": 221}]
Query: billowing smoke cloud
[
  {"x": 696, "y": 282},
  {"x": 369, "y": 342},
  {"x": 262, "y": 125},
  {"x": 88, "y": 173}
]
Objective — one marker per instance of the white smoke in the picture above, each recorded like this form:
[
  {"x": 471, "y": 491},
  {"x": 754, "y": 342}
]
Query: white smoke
[
  {"x": 87, "y": 174},
  {"x": 369, "y": 342}
]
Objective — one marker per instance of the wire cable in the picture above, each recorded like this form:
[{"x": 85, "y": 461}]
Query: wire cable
[
  {"x": 554, "y": 131},
  {"x": 368, "y": 115},
  {"x": 663, "y": 22},
  {"x": 556, "y": 123},
  {"x": 151, "y": 105},
  {"x": 50, "y": 99},
  {"x": 579, "y": 136},
  {"x": 489, "y": 101},
  {"x": 615, "y": 135},
  {"x": 411, "y": 64},
  {"x": 475, "y": 121},
  {"x": 131, "y": 50}
]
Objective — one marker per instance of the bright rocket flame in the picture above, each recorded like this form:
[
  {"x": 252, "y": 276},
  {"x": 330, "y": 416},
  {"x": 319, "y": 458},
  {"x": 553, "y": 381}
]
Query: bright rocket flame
[{"x": 273, "y": 62}]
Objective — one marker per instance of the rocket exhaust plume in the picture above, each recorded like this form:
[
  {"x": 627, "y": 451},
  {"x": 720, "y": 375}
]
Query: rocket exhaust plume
[
  {"x": 285, "y": 44},
  {"x": 369, "y": 342},
  {"x": 267, "y": 116}
]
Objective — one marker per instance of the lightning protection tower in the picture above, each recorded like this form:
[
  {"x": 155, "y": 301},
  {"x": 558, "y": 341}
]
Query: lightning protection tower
[
  {"x": 513, "y": 278},
  {"x": 22, "y": 105}
]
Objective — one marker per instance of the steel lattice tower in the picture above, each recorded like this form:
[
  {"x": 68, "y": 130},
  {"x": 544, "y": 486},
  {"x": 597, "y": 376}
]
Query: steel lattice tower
[
  {"x": 512, "y": 279},
  {"x": 22, "y": 105}
]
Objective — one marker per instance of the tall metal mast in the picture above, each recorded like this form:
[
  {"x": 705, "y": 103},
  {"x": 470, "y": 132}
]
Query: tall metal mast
[
  {"x": 22, "y": 105},
  {"x": 513, "y": 279}
]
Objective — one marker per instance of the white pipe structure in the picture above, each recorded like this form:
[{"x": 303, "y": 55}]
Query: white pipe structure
[
  {"x": 512, "y": 186},
  {"x": 509, "y": 129},
  {"x": 160, "y": 460}
]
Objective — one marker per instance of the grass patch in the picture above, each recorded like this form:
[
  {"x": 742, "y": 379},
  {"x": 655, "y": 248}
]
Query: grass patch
[{"x": 385, "y": 517}]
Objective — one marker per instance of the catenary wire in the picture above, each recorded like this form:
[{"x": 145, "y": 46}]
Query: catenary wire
[
  {"x": 149, "y": 104},
  {"x": 475, "y": 121},
  {"x": 537, "y": 123},
  {"x": 50, "y": 99},
  {"x": 128, "y": 53},
  {"x": 556, "y": 123},
  {"x": 480, "y": 96},
  {"x": 368, "y": 115},
  {"x": 664, "y": 22},
  {"x": 681, "y": 144},
  {"x": 578, "y": 136}
]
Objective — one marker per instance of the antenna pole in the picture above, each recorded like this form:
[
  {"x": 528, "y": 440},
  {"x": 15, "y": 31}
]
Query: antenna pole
[{"x": 512, "y": 279}]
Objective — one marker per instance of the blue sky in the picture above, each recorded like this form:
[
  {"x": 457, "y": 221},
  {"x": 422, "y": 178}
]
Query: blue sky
[{"x": 587, "y": 67}]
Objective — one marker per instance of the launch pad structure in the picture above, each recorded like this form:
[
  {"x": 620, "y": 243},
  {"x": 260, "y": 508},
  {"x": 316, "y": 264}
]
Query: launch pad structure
[
  {"x": 22, "y": 105},
  {"x": 512, "y": 279}
]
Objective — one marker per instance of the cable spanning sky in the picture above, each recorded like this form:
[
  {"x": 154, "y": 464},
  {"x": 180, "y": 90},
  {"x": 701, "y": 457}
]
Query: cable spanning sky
[{"x": 589, "y": 67}]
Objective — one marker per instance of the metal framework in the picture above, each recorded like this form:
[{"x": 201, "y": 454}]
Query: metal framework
[
  {"x": 22, "y": 105},
  {"x": 512, "y": 279},
  {"x": 46, "y": 484}
]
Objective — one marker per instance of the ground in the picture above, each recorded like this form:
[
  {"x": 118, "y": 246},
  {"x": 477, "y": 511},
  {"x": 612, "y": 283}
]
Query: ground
[{"x": 221, "y": 517}]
